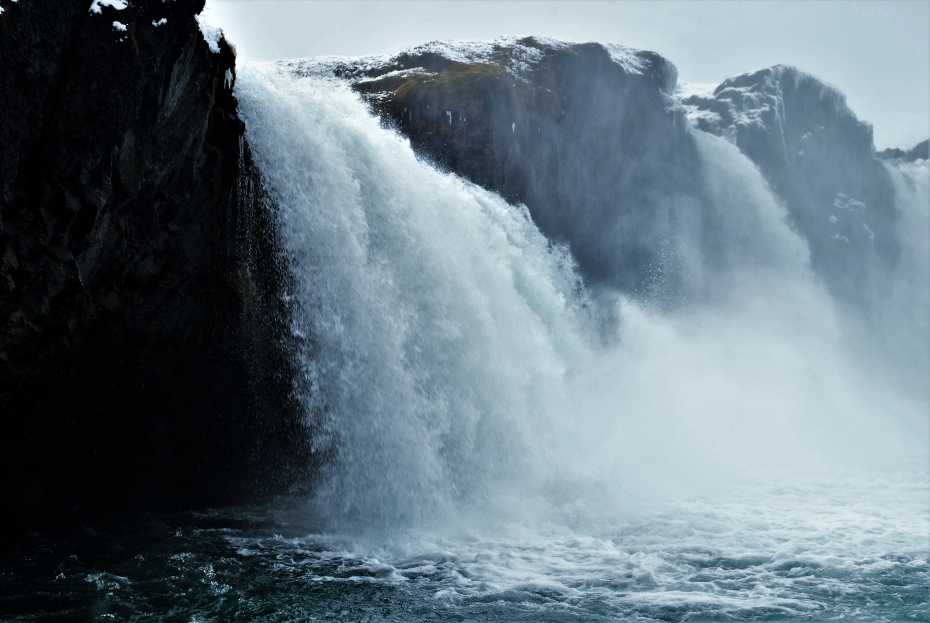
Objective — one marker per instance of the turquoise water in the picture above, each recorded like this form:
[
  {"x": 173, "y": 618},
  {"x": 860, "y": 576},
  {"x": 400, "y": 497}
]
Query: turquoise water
[{"x": 839, "y": 550}]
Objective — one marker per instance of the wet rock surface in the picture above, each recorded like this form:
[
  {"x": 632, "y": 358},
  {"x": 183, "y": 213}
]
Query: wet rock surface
[{"x": 142, "y": 328}]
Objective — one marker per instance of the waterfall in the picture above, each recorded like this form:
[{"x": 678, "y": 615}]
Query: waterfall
[
  {"x": 456, "y": 366},
  {"x": 903, "y": 311},
  {"x": 443, "y": 319}
]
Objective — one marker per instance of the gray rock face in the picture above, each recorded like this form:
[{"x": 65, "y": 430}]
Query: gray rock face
[
  {"x": 585, "y": 135},
  {"x": 820, "y": 159},
  {"x": 141, "y": 324}
]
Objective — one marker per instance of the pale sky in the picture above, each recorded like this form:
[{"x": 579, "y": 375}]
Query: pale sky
[{"x": 877, "y": 52}]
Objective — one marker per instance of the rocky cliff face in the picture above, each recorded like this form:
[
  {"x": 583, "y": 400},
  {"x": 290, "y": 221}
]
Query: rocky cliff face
[
  {"x": 594, "y": 140},
  {"x": 820, "y": 159},
  {"x": 141, "y": 321},
  {"x": 584, "y": 134}
]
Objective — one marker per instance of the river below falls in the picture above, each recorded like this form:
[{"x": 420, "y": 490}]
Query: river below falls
[{"x": 849, "y": 549}]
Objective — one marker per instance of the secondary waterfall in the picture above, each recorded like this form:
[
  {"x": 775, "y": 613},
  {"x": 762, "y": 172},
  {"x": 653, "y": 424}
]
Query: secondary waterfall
[
  {"x": 455, "y": 363},
  {"x": 904, "y": 319}
]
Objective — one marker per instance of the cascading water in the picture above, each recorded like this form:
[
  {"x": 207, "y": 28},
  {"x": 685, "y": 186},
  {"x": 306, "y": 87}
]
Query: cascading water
[
  {"x": 443, "y": 320},
  {"x": 903, "y": 317},
  {"x": 460, "y": 384}
]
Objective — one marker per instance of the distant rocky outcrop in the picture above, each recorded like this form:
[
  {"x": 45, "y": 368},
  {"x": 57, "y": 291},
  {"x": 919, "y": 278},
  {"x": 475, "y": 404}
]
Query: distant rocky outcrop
[
  {"x": 820, "y": 159},
  {"x": 586, "y": 135},
  {"x": 142, "y": 326},
  {"x": 920, "y": 151}
]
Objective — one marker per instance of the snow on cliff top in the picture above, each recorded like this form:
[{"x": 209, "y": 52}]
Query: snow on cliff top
[
  {"x": 517, "y": 54},
  {"x": 762, "y": 85},
  {"x": 628, "y": 58},
  {"x": 524, "y": 51},
  {"x": 753, "y": 98}
]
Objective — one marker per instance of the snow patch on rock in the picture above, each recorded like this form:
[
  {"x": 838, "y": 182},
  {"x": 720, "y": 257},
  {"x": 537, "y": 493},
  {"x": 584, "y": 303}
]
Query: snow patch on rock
[
  {"x": 96, "y": 7},
  {"x": 753, "y": 100},
  {"x": 459, "y": 51},
  {"x": 519, "y": 56},
  {"x": 397, "y": 73},
  {"x": 628, "y": 58},
  {"x": 211, "y": 34}
]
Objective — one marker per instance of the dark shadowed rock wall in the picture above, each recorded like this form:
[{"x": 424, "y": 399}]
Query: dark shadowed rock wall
[{"x": 142, "y": 328}]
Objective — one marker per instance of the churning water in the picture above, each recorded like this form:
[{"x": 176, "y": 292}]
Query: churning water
[
  {"x": 504, "y": 443},
  {"x": 814, "y": 551}
]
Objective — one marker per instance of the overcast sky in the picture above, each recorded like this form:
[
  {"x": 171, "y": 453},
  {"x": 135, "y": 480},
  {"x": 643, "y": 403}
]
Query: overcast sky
[{"x": 878, "y": 53}]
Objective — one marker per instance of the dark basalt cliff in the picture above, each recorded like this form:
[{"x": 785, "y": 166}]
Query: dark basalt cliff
[
  {"x": 820, "y": 159},
  {"x": 142, "y": 330},
  {"x": 584, "y": 134}
]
